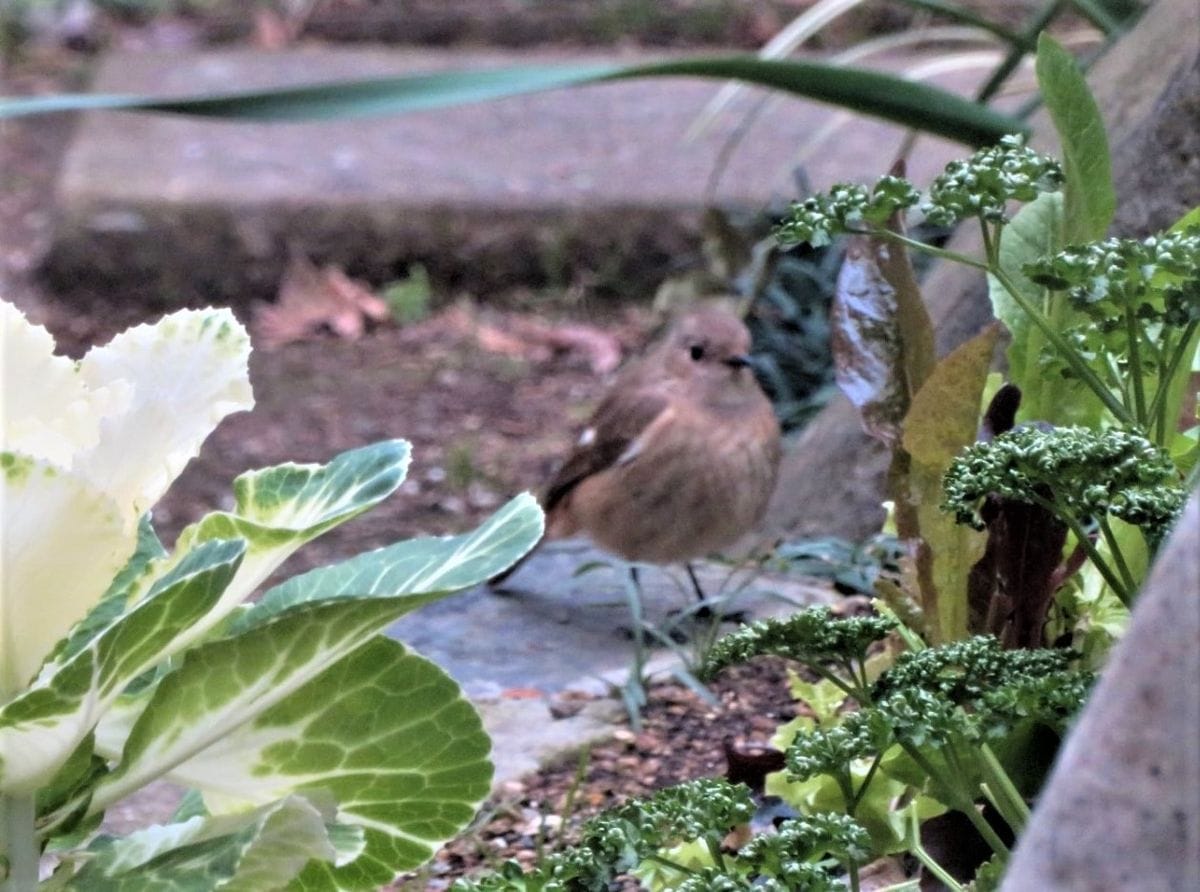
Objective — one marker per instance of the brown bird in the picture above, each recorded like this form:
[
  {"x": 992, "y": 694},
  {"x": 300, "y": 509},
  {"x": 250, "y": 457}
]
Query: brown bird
[{"x": 681, "y": 455}]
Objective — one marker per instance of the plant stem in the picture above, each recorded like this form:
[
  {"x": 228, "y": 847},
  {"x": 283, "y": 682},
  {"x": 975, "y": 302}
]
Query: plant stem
[
  {"x": 635, "y": 686},
  {"x": 673, "y": 865},
  {"x": 921, "y": 246},
  {"x": 18, "y": 843},
  {"x": 1135, "y": 369},
  {"x": 1159, "y": 405},
  {"x": 1003, "y": 793},
  {"x": 1093, "y": 554},
  {"x": 962, "y": 802},
  {"x": 1118, "y": 556},
  {"x": 918, "y": 851},
  {"x": 1068, "y": 353},
  {"x": 991, "y": 250},
  {"x": 714, "y": 851},
  {"x": 862, "y": 788},
  {"x": 833, "y": 679}
]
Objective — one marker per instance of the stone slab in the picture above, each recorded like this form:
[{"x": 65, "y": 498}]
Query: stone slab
[
  {"x": 554, "y": 631},
  {"x": 522, "y": 190}
]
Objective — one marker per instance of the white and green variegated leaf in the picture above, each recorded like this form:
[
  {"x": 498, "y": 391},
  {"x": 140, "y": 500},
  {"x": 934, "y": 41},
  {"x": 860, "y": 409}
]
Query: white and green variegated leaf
[
  {"x": 257, "y": 850},
  {"x": 279, "y": 509},
  {"x": 50, "y": 411},
  {"x": 193, "y": 358},
  {"x": 40, "y": 728},
  {"x": 418, "y": 566},
  {"x": 145, "y": 565},
  {"x": 61, "y": 541},
  {"x": 384, "y": 731},
  {"x": 402, "y": 713},
  {"x": 311, "y": 622},
  {"x": 223, "y": 684}
]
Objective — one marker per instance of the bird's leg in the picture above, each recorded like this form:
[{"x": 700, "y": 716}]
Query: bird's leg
[
  {"x": 696, "y": 587},
  {"x": 704, "y": 611}
]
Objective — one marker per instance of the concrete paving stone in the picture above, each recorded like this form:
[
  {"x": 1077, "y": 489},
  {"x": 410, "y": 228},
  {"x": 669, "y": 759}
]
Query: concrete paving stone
[
  {"x": 554, "y": 631},
  {"x": 520, "y": 190}
]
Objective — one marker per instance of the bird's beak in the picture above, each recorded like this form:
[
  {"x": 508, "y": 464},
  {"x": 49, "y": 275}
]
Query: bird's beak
[{"x": 740, "y": 361}]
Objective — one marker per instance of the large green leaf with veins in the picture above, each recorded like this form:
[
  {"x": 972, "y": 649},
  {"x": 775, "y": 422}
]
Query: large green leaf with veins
[
  {"x": 311, "y": 653},
  {"x": 383, "y": 731}
]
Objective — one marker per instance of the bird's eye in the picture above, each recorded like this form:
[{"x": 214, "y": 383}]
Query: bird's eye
[{"x": 696, "y": 351}]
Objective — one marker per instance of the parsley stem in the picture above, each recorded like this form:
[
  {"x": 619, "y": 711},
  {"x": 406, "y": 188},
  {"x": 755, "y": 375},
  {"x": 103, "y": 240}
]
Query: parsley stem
[
  {"x": 927, "y": 860},
  {"x": 921, "y": 246},
  {"x": 1135, "y": 368},
  {"x": 659, "y": 858},
  {"x": 1158, "y": 406},
  {"x": 1001, "y": 791},
  {"x": 1089, "y": 548},
  {"x": 991, "y": 249},
  {"x": 1118, "y": 556},
  {"x": 962, "y": 802},
  {"x": 862, "y": 788}
]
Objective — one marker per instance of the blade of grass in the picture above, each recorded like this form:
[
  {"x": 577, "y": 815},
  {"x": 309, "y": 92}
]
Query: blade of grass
[{"x": 870, "y": 92}]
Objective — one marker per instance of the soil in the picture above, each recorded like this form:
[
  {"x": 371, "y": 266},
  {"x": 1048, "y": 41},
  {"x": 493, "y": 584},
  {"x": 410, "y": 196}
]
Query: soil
[
  {"x": 682, "y": 738},
  {"x": 487, "y": 417}
]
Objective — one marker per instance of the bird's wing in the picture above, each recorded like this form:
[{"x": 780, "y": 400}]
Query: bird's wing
[{"x": 612, "y": 437}]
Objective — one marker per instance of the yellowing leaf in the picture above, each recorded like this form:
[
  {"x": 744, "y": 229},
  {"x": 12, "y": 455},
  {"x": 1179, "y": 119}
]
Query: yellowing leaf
[{"x": 943, "y": 419}]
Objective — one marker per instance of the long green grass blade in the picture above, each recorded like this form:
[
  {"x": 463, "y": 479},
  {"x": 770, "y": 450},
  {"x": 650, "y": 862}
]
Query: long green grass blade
[{"x": 870, "y": 92}]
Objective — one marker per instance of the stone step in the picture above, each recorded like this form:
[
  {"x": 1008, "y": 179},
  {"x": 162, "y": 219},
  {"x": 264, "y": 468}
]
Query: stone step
[{"x": 594, "y": 185}]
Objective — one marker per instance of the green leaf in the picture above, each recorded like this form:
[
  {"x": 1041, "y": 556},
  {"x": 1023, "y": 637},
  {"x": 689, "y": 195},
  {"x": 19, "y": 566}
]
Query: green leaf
[
  {"x": 279, "y": 509},
  {"x": 905, "y": 102},
  {"x": 429, "y": 768},
  {"x": 943, "y": 419},
  {"x": 1037, "y": 231},
  {"x": 41, "y": 728},
  {"x": 418, "y": 566},
  {"x": 1090, "y": 196},
  {"x": 1191, "y": 218},
  {"x": 134, "y": 575},
  {"x": 261, "y": 849},
  {"x": 383, "y": 731},
  {"x": 298, "y": 630}
]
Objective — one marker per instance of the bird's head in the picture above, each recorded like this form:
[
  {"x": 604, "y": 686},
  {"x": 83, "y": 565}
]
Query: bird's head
[{"x": 708, "y": 345}]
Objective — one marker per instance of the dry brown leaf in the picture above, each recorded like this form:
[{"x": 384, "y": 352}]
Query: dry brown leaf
[
  {"x": 534, "y": 340},
  {"x": 313, "y": 299}
]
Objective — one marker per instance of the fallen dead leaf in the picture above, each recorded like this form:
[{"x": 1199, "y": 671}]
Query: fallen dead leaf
[
  {"x": 536, "y": 341},
  {"x": 313, "y": 299}
]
